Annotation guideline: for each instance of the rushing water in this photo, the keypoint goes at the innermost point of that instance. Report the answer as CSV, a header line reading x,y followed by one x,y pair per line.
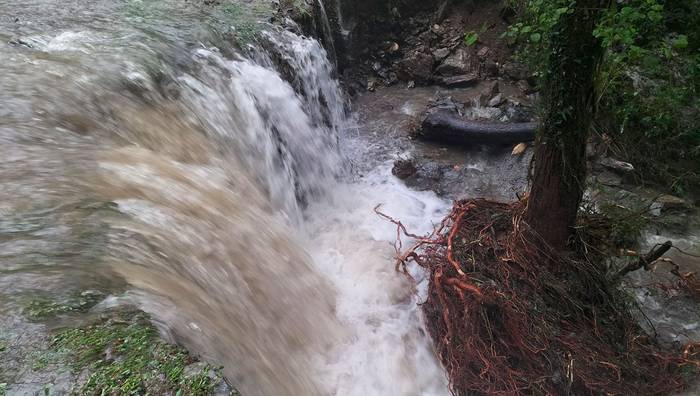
x,y
141,154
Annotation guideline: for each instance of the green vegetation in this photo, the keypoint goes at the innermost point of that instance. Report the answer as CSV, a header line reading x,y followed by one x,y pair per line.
x,y
649,81
124,355
245,20
42,307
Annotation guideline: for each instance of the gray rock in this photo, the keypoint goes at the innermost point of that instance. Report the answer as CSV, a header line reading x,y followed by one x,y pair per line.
x,y
492,88
483,52
461,81
441,53
515,71
415,66
455,64
491,69
403,169
670,202
616,166
496,100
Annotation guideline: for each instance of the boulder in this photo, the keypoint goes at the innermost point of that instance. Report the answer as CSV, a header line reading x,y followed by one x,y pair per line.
x,y
669,202
441,53
496,101
515,71
456,64
403,169
415,66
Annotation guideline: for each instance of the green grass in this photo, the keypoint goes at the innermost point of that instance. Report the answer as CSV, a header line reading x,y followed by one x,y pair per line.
x,y
42,307
124,355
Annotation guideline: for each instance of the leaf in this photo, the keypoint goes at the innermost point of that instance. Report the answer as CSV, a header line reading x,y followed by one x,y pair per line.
x,y
519,149
470,38
680,42
535,37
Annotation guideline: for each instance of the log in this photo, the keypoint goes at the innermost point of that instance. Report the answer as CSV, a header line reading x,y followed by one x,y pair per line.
x,y
446,126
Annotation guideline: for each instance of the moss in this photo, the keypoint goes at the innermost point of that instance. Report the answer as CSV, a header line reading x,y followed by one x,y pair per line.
x,y
124,355
245,20
43,307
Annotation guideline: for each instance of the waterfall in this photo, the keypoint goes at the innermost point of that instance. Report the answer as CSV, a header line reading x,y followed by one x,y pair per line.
x,y
233,218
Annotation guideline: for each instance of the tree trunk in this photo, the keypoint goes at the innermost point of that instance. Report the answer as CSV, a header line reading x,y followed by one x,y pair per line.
x,y
559,162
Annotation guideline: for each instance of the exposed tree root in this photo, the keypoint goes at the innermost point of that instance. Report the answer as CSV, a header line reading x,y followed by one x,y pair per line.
x,y
511,317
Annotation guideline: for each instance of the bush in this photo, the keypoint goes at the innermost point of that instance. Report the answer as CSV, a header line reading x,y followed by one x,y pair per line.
x,y
648,82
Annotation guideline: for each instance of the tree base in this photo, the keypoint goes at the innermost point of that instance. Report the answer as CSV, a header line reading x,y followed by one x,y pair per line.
x,y
509,316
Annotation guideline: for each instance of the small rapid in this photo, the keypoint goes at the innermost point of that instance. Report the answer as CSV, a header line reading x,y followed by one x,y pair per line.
x,y
217,187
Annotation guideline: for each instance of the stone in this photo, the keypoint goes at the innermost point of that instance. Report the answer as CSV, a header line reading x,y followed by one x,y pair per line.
x,y
515,71
462,81
483,52
431,170
455,64
441,53
491,69
403,169
492,88
609,179
415,66
670,202
616,166
496,100
525,87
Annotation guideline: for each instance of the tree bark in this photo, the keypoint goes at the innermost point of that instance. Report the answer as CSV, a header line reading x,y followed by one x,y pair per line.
x,y
559,163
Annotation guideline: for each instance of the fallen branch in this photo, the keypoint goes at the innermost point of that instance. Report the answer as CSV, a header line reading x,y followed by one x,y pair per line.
x,y
646,260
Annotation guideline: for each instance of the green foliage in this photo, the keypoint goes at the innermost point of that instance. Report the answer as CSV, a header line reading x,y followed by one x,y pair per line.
x,y
125,356
648,84
42,307
470,38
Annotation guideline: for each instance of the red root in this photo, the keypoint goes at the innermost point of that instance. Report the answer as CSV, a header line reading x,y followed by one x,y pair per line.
x,y
511,317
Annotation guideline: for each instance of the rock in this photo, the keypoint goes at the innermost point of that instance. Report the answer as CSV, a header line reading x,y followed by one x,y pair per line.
x,y
431,170
455,64
442,11
492,89
670,202
403,169
514,71
491,69
392,48
514,111
616,166
496,100
441,53
525,87
609,179
372,85
416,66
446,103
483,52
462,81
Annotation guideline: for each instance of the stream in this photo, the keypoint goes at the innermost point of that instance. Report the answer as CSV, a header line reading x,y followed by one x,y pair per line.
x,y
227,190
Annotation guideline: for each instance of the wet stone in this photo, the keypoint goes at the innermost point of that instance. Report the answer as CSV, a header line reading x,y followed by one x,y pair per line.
x,y
403,169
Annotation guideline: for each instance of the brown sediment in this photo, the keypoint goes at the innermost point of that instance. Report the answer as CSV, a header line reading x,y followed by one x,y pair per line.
x,y
509,316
